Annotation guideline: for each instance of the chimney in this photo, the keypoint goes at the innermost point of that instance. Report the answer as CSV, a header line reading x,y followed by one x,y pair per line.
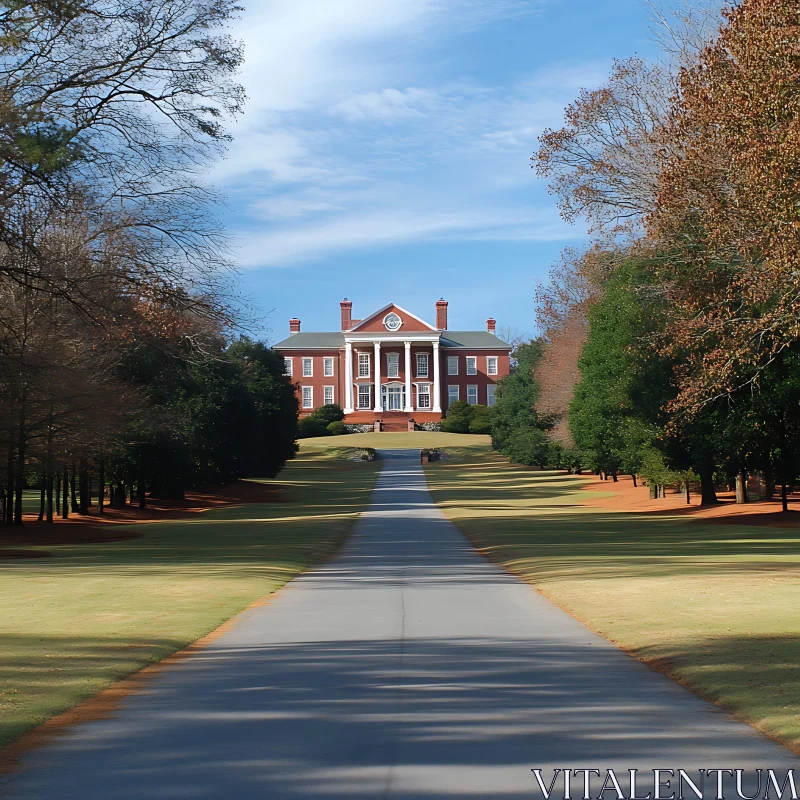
x,y
491,325
347,311
294,326
441,314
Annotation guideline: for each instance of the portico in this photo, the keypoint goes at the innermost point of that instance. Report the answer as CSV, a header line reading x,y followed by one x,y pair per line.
x,y
413,389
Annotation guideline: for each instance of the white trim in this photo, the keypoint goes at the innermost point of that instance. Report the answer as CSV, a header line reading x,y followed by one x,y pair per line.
x,y
369,365
475,387
418,337
452,360
310,361
399,319
325,392
450,400
386,308
427,394
377,368
290,372
325,361
348,379
310,390
474,359
493,395
409,408
437,378
496,365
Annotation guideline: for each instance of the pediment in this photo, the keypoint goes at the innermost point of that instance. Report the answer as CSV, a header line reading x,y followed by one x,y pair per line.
x,y
377,322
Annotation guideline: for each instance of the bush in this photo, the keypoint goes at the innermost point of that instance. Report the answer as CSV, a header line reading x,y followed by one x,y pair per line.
x,y
336,428
310,426
329,413
459,417
481,421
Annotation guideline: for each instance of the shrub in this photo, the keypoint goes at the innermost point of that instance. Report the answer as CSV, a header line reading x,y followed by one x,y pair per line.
x,y
329,413
310,426
481,421
458,419
336,428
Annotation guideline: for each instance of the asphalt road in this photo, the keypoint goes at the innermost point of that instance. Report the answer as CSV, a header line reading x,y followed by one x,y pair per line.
x,y
408,667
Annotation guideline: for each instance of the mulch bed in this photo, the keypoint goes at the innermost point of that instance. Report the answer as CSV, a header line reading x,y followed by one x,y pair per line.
x,y
94,528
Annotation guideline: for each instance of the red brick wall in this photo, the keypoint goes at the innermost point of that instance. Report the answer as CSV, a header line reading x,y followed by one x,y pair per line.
x,y
481,380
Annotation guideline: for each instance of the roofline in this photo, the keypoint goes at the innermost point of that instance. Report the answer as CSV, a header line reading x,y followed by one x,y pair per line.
x,y
381,310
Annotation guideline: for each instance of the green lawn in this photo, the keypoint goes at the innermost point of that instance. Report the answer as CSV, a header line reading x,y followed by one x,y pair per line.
x,y
715,606
72,624
414,440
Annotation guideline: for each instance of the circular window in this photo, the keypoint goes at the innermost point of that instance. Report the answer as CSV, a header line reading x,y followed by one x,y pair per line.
x,y
392,322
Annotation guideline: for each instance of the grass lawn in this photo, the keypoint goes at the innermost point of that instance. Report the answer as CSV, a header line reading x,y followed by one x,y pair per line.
x,y
72,624
716,606
413,440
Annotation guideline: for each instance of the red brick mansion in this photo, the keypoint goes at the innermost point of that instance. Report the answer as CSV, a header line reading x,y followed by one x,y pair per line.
x,y
393,366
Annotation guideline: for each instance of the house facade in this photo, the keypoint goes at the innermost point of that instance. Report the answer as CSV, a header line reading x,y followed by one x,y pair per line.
x,y
392,366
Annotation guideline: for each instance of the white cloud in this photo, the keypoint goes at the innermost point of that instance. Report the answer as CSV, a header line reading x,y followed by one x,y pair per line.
x,y
387,105
358,136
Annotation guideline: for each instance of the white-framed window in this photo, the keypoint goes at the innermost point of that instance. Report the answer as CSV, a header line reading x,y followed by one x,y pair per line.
x,y
472,395
327,367
393,365
287,367
452,365
308,367
452,394
472,365
308,397
363,365
424,396
422,365
364,396
327,395
490,398
491,365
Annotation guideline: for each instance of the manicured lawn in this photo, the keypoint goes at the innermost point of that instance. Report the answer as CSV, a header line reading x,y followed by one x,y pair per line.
x,y
414,440
715,605
72,624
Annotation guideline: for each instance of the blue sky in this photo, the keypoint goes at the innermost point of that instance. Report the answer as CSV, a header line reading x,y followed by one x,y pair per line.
x,y
384,151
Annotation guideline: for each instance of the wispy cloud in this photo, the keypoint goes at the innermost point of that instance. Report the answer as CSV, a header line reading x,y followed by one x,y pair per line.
x,y
359,134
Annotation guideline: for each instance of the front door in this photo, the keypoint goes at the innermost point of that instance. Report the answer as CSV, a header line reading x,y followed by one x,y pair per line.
x,y
393,398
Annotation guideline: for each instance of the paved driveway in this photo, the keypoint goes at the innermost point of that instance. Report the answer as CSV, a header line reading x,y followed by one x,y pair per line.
x,y
407,667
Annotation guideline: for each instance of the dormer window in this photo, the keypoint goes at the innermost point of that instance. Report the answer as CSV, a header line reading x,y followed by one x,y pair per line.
x,y
392,322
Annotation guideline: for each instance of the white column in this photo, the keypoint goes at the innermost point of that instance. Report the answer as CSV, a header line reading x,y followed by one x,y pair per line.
x,y
377,373
408,407
348,378
437,399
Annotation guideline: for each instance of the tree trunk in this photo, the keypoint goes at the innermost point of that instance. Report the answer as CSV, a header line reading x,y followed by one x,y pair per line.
x,y
769,486
614,476
20,483
10,489
101,488
65,493
50,495
142,487
784,497
57,489
633,475
708,494
687,492
741,486
653,491
73,494
83,486
42,494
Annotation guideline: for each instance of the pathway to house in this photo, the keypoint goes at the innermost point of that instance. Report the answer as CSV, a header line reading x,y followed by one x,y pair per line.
x,y
408,667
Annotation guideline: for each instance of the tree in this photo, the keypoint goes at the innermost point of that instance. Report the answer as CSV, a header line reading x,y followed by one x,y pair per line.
x,y
727,213
517,430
